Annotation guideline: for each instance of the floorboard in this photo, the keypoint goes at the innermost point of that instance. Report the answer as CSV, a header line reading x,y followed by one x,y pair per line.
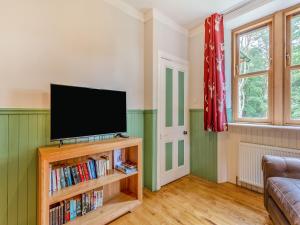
x,y
193,201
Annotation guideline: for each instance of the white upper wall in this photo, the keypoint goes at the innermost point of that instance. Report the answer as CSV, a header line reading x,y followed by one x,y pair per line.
x,y
161,35
73,42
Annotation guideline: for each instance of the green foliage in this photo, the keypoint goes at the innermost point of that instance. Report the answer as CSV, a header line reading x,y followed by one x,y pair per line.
x,y
295,94
254,57
253,91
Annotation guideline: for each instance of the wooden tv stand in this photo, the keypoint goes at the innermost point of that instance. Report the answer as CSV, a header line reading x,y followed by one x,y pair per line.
x,y
122,193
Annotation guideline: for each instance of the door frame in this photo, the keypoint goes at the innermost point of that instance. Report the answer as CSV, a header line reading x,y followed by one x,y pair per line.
x,y
162,56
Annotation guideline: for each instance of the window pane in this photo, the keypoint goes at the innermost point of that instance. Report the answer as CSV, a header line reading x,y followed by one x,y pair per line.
x,y
295,94
254,49
253,97
295,40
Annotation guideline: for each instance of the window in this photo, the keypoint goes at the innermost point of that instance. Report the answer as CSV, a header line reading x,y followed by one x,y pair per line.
x,y
292,92
266,69
253,73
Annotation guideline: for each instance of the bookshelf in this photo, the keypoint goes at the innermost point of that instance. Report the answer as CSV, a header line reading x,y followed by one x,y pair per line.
x,y
122,192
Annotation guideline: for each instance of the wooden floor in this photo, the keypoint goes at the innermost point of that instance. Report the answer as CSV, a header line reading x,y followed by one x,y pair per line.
x,y
191,200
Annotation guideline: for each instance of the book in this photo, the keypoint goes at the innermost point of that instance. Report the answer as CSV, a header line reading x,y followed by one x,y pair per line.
x,y
67,211
86,171
62,218
125,169
62,177
53,181
68,179
77,174
89,170
51,217
84,209
92,167
57,173
117,157
74,175
50,177
80,173
73,210
78,206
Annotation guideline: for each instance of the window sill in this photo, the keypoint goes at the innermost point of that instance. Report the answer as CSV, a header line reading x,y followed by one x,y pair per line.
x,y
266,126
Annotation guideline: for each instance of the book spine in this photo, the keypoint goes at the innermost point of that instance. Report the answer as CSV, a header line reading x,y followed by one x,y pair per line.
x,y
84,205
57,173
70,180
80,173
77,174
78,207
67,211
86,172
97,168
62,213
73,172
72,210
62,178
53,181
90,170
50,177
51,217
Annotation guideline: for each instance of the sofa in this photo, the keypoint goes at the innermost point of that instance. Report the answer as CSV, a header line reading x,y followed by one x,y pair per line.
x,y
282,189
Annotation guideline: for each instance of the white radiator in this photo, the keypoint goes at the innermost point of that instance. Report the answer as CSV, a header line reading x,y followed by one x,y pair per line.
x,y
250,156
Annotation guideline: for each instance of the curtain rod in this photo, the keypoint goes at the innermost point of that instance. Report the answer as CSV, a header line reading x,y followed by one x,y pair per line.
x,y
235,8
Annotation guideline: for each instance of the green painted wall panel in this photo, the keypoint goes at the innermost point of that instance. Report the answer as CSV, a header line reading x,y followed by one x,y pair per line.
x,y
181,98
13,161
203,155
23,176
150,149
169,97
169,156
3,168
180,153
32,168
21,133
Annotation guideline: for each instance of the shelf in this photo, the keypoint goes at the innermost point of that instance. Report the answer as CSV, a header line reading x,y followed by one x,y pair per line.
x,y
114,208
86,186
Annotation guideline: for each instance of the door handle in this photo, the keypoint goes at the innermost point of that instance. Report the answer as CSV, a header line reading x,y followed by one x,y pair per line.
x,y
185,132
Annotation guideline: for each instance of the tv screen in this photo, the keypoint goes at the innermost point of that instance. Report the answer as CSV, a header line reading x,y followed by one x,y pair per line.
x,y
80,112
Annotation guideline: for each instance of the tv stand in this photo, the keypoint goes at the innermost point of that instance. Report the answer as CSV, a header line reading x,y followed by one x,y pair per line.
x,y
122,192
120,135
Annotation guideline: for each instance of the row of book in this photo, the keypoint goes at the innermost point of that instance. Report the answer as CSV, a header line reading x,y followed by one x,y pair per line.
x,y
69,210
65,176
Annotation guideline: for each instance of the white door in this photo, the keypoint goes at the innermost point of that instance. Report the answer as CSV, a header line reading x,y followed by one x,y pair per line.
x,y
174,130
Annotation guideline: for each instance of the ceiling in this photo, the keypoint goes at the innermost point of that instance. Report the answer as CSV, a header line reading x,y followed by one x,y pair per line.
x,y
186,12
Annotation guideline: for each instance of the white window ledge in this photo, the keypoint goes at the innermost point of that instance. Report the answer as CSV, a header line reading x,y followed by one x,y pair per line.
x,y
268,126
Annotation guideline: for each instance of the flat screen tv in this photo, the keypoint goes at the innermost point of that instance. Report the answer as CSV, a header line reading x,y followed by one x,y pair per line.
x,y
81,112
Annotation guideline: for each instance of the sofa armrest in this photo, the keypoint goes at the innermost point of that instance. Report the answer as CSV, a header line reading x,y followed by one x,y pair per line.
x,y
274,166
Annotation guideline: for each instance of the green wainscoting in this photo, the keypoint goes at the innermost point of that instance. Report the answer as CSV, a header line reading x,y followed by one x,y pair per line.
x,y
203,148
150,149
22,131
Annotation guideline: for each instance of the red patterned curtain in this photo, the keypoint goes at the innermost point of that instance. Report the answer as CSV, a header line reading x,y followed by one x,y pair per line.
x,y
215,116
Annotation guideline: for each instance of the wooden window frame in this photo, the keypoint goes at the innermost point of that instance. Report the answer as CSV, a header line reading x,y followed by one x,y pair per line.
x,y
288,14
267,21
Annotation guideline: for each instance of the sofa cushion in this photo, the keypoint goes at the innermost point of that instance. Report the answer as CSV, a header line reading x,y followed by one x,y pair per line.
x,y
286,193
